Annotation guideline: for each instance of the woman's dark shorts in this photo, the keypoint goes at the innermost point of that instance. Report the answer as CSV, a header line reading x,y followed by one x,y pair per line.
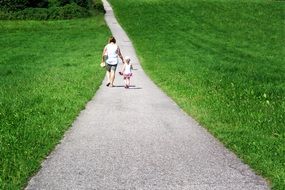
x,y
111,67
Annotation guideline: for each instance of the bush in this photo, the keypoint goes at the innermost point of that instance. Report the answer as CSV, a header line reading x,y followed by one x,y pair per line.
x,y
83,3
38,3
32,13
14,5
98,6
48,9
60,3
64,2
68,11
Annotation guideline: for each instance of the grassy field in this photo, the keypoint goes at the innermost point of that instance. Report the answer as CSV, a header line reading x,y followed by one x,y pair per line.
x,y
48,71
222,61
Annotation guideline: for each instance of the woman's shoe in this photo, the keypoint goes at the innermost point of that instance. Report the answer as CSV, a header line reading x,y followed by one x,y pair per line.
x,y
108,84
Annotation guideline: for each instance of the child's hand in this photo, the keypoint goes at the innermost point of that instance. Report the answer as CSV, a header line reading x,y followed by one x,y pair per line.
x,y
120,73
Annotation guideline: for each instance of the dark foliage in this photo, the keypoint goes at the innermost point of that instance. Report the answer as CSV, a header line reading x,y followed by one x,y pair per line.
x,y
48,9
13,4
22,4
98,5
83,3
68,11
64,2
38,3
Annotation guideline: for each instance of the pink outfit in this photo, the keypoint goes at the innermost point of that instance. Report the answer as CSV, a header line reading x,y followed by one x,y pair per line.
x,y
128,71
127,75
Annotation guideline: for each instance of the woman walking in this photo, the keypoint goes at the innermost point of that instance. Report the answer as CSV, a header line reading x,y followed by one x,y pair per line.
x,y
110,55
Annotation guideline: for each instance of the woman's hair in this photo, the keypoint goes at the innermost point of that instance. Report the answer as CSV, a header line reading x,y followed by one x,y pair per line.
x,y
112,39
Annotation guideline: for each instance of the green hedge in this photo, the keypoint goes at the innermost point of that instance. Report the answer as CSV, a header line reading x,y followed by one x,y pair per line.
x,y
13,5
68,11
56,9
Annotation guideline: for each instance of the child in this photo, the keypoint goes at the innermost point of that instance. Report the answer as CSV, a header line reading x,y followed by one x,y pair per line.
x,y
127,71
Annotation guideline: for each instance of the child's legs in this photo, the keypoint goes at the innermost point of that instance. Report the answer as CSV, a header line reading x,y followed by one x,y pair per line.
x,y
125,81
128,81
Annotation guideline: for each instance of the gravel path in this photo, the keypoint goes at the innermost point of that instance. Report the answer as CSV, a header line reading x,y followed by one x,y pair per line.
x,y
143,140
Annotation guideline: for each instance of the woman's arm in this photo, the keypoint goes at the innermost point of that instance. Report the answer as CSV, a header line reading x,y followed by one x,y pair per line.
x,y
103,53
120,55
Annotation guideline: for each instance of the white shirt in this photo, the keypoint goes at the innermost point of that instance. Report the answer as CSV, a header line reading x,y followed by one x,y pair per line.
x,y
112,53
127,69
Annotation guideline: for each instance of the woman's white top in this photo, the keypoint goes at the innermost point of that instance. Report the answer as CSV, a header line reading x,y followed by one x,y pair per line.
x,y
127,69
112,53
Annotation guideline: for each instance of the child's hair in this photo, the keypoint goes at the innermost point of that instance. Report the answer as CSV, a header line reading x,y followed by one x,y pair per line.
x,y
128,59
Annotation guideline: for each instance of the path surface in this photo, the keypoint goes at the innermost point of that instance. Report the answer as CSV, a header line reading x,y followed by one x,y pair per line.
x,y
142,141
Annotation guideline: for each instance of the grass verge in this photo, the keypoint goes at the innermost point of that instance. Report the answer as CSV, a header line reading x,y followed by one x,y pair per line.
x,y
48,71
223,63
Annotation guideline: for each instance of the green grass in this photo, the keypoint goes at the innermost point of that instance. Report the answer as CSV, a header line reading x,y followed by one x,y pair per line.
x,y
222,61
48,71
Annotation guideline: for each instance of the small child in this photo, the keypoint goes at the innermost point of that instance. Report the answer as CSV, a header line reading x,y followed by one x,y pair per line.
x,y
127,71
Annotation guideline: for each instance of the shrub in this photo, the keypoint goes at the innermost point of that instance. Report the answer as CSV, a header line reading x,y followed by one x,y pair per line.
x,y
83,3
13,5
53,3
68,11
48,9
38,3
32,13
4,15
60,3
98,6
64,2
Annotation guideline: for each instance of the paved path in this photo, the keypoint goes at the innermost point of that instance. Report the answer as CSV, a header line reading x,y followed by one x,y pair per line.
x,y
142,141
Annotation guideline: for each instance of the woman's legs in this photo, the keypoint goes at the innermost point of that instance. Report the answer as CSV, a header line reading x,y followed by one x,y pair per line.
x,y
111,70
108,74
112,77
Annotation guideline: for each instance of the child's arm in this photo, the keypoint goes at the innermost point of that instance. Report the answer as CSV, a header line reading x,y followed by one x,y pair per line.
x,y
120,55
123,69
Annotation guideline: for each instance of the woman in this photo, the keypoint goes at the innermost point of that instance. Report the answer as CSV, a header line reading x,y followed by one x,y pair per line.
x,y
111,53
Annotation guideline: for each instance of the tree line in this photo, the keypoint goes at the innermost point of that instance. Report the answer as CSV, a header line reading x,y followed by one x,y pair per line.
x,y
48,9
22,4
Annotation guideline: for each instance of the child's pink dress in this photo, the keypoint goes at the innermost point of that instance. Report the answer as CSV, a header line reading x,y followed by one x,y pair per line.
x,y
127,72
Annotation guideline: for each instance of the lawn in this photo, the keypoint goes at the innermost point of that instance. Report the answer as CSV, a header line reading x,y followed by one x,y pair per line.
x,y
48,71
222,61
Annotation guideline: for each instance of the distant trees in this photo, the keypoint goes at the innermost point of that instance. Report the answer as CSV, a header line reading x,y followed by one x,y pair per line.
x,y
48,9
38,3
22,4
